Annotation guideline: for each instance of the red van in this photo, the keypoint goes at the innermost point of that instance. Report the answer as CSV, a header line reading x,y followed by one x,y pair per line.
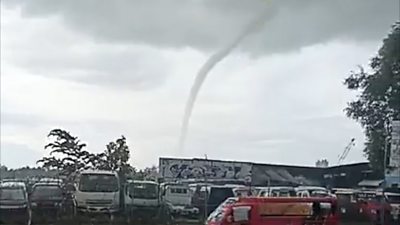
x,y
276,211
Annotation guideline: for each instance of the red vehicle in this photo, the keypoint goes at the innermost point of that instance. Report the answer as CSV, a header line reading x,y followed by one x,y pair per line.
x,y
276,211
371,204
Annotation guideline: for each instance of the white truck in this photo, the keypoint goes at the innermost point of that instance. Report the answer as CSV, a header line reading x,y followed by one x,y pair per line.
x,y
97,194
179,199
143,203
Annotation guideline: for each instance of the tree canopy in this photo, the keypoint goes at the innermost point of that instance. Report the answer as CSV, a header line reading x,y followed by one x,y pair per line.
x,y
115,157
379,100
69,155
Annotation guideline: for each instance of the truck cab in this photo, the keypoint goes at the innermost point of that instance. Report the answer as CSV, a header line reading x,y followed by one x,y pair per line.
x,y
97,194
143,202
179,198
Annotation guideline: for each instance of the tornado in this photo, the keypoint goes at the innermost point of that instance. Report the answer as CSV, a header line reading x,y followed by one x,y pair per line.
x,y
207,67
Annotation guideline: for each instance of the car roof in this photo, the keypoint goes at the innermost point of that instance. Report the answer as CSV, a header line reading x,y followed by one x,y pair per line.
x,y
310,188
12,185
47,184
141,182
105,172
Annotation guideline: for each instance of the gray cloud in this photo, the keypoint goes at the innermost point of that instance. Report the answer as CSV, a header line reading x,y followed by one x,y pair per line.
x,y
18,155
18,119
208,24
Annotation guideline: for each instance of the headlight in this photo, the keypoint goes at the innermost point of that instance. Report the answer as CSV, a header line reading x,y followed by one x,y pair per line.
x,y
34,204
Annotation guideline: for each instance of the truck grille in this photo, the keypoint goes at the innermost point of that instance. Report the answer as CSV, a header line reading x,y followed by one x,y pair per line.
x,y
99,202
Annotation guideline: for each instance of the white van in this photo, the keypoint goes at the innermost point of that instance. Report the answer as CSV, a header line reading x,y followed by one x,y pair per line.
x,y
97,192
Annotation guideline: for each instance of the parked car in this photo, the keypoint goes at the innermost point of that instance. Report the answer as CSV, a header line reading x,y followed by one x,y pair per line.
x,y
14,204
46,202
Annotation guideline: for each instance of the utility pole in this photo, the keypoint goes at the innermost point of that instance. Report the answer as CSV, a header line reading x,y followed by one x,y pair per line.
x,y
206,191
383,200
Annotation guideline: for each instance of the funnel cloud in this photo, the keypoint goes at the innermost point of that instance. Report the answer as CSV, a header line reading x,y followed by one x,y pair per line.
x,y
207,67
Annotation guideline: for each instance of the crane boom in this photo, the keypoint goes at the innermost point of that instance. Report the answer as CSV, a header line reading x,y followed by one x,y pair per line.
x,y
346,151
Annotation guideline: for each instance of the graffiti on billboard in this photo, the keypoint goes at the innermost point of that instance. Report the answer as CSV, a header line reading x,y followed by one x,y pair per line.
x,y
199,169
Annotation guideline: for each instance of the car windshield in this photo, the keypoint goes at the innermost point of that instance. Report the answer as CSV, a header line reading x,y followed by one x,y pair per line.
x,y
12,194
178,191
46,192
143,191
98,183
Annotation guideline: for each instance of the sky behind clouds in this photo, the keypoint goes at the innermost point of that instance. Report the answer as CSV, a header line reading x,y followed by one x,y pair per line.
x,y
102,69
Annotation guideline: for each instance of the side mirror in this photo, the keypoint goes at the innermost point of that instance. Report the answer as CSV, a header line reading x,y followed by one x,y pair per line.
x,y
241,213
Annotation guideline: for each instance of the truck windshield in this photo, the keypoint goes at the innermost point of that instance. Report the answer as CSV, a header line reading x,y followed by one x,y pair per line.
x,y
394,199
98,183
46,192
143,191
12,194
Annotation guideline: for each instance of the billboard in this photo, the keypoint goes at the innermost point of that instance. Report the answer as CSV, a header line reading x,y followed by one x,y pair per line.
x,y
176,169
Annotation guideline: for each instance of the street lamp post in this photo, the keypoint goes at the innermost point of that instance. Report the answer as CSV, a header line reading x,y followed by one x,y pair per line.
x,y
206,191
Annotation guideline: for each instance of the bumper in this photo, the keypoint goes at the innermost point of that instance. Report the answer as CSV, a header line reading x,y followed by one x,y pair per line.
x,y
97,209
185,211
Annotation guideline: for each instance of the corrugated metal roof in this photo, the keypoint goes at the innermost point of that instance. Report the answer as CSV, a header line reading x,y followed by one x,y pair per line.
x,y
370,183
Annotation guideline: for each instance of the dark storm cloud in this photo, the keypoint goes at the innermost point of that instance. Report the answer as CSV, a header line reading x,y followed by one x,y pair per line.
x,y
100,65
207,24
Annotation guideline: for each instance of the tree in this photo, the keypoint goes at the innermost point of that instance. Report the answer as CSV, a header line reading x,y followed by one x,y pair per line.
x,y
379,100
322,163
67,153
115,157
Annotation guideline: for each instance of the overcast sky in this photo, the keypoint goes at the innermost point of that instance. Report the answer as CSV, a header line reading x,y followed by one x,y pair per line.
x,y
101,69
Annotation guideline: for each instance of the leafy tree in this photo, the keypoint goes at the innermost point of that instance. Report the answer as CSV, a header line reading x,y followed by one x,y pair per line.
x,y
67,153
379,100
115,157
322,163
